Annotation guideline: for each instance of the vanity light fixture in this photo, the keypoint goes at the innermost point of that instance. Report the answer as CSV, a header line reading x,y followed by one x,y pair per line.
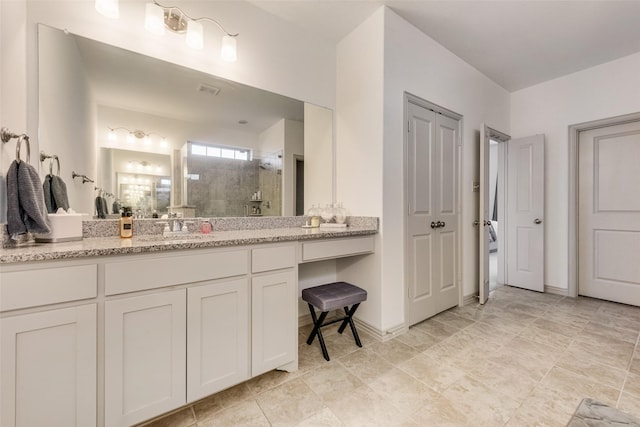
x,y
159,17
108,8
139,134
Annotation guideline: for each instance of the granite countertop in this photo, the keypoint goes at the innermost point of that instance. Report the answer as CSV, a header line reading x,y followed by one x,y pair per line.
x,y
104,246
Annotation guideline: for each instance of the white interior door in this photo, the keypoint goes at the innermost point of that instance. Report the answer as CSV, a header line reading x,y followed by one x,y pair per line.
x,y
525,209
609,213
483,216
432,223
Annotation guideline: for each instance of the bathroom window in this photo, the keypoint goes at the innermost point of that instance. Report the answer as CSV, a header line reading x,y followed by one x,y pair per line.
x,y
220,151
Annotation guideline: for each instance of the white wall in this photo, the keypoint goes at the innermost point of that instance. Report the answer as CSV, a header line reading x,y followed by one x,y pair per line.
x,y
318,155
370,132
359,162
607,90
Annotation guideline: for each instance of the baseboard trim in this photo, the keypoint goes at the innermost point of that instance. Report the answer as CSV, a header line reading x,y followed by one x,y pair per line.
x,y
470,299
377,333
383,336
557,291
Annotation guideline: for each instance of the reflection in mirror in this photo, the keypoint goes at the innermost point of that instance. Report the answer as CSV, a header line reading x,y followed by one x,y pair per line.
x,y
98,102
140,182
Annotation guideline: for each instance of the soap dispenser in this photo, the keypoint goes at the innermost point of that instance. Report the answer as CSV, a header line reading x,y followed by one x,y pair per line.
x,y
126,225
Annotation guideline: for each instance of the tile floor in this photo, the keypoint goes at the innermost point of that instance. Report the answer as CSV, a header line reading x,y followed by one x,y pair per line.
x,y
523,359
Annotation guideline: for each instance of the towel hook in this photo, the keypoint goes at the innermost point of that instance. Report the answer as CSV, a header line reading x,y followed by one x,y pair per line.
x,y
85,179
6,135
44,156
54,157
24,138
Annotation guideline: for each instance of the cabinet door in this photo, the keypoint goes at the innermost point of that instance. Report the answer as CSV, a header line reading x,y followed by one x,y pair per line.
x,y
274,321
48,368
217,337
145,356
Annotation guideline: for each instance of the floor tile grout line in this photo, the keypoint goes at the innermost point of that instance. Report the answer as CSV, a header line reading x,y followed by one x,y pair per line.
x,y
626,377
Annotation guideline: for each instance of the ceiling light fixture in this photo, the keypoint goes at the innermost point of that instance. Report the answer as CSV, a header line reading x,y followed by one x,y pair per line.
x,y
159,17
108,8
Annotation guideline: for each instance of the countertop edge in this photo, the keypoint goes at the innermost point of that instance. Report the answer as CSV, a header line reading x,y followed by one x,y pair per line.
x,y
112,246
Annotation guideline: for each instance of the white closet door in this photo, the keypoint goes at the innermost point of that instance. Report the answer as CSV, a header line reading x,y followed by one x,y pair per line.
x,y
609,213
432,222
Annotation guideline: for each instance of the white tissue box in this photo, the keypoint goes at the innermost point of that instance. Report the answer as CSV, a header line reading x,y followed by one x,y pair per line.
x,y
64,228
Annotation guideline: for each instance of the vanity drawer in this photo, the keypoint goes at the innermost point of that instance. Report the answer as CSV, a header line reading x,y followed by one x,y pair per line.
x,y
157,272
273,258
32,288
336,248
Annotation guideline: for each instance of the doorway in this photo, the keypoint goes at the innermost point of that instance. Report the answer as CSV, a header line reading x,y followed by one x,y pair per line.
x,y
299,185
511,221
491,210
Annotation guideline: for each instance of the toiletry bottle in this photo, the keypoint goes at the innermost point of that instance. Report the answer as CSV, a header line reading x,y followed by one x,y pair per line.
x,y
205,227
314,213
126,225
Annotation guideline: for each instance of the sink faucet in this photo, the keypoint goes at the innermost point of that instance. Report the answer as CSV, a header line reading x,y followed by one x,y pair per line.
x,y
177,222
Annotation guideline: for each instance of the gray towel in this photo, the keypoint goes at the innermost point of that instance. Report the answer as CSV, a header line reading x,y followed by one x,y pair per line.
x,y
26,210
55,193
105,206
49,202
101,207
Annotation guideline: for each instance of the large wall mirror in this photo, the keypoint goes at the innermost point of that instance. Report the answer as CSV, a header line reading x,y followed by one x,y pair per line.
x,y
156,137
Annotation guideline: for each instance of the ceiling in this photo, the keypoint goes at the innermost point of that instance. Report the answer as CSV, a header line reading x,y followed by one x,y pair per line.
x,y
517,44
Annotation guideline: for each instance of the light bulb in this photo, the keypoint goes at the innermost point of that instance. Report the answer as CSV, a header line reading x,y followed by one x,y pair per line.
x,y
228,50
163,142
154,19
108,8
147,140
194,35
130,139
112,135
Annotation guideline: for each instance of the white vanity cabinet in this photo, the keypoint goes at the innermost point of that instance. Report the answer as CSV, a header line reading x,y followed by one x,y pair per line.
x,y
48,356
173,325
274,316
119,340
145,356
217,336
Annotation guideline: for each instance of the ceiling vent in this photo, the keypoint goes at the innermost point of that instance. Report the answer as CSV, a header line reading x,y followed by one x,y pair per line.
x,y
208,90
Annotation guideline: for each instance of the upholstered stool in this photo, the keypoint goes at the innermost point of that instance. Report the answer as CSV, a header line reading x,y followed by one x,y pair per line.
x,y
331,297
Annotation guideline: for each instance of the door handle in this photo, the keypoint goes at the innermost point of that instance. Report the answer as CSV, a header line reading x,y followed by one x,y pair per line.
x,y
440,224
537,221
433,224
476,223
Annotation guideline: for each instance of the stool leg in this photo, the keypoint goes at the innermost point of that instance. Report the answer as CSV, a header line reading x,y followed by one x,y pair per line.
x,y
349,319
317,324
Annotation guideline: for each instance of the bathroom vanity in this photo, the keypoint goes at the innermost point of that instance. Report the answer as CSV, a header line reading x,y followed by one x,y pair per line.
x,y
113,332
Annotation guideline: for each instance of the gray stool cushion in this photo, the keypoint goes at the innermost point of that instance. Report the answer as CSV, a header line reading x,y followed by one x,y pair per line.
x,y
334,295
